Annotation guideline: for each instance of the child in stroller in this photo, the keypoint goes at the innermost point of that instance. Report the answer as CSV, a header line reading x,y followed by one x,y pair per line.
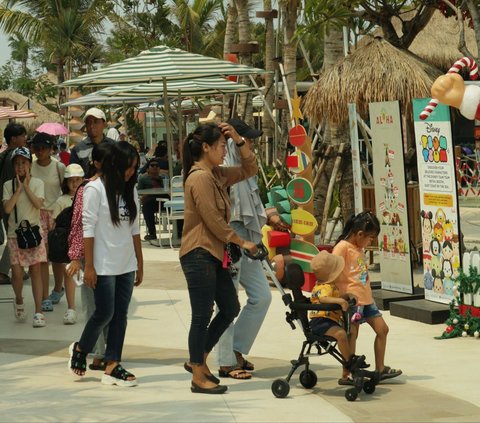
x,y
324,344
327,268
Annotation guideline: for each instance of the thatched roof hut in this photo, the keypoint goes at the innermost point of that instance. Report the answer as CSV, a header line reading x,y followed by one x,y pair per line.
x,y
43,114
375,72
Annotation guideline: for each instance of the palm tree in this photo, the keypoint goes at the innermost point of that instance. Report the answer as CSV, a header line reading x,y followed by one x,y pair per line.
x,y
65,29
20,51
196,19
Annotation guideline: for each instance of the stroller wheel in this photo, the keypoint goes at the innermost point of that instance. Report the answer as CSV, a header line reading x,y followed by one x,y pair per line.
x,y
369,387
308,379
280,388
351,394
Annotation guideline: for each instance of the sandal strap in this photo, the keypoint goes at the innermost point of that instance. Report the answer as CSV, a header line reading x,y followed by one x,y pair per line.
x,y
79,359
120,373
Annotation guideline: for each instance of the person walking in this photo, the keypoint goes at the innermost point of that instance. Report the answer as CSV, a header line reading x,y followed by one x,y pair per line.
x,y
76,252
22,200
248,216
15,136
51,172
203,254
113,260
95,123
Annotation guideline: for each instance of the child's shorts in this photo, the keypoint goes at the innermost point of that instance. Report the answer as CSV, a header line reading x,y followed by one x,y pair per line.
x,y
369,312
320,325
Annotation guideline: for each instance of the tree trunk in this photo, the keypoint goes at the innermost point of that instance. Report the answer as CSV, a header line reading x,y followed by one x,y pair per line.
x,y
230,34
268,123
245,104
334,135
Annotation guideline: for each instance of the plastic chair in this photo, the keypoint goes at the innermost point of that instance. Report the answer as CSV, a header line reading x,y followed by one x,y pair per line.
x,y
174,208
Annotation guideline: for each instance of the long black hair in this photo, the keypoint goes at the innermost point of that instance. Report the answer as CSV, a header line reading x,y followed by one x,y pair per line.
x,y
99,152
192,145
365,221
114,167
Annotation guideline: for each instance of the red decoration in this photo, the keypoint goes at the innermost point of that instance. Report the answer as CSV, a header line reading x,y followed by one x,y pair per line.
x,y
278,239
475,311
448,329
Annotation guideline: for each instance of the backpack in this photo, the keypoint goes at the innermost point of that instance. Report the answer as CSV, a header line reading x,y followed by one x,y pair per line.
x,y
58,236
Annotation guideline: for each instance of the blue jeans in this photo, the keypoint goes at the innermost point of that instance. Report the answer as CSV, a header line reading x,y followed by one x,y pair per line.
x,y
208,283
112,297
241,335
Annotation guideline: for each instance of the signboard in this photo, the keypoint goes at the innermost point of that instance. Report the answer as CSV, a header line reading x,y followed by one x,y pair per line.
x,y
438,201
391,196
357,169
300,191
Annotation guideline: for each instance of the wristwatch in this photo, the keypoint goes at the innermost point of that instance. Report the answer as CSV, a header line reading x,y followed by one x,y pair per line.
x,y
239,144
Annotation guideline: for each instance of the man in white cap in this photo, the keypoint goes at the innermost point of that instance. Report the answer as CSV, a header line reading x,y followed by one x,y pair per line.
x,y
95,123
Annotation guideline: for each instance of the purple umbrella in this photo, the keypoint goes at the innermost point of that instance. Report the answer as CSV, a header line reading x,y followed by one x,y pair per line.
x,y
53,128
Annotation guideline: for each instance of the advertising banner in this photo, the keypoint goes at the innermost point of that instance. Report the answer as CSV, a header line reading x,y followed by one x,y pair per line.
x,y
391,196
438,201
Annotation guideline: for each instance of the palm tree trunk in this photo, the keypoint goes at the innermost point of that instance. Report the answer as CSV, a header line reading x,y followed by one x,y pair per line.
x,y
268,123
230,31
245,105
335,135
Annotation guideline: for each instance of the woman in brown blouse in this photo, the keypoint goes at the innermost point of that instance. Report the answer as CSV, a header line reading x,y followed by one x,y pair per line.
x,y
205,234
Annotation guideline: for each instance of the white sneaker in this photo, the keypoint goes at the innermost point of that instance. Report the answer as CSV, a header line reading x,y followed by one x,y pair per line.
x,y
39,320
70,317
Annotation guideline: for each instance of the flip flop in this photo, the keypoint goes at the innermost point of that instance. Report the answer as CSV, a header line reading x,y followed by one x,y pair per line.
x,y
389,373
211,378
235,373
244,364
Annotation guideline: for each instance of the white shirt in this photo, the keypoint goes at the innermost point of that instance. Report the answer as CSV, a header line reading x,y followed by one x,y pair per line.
x,y
25,208
62,203
113,134
52,177
113,251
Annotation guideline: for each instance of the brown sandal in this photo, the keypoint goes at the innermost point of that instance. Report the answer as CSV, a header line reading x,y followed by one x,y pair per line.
x,y
235,373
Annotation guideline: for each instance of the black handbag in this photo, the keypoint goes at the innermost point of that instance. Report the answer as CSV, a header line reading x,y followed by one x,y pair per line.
x,y
28,236
234,252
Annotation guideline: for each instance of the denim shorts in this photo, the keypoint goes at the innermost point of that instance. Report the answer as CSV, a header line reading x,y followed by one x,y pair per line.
x,y
369,312
320,325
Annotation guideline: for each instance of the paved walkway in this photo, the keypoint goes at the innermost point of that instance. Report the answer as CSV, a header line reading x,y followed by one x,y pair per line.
x,y
440,381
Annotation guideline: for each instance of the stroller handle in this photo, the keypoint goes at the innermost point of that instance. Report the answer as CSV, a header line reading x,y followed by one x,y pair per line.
x,y
261,254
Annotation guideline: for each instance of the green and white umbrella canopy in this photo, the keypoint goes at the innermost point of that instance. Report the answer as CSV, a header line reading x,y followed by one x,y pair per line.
x,y
97,99
160,63
185,88
144,93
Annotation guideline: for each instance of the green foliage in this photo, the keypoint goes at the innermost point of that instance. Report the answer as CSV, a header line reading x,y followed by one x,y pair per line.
x,y
269,171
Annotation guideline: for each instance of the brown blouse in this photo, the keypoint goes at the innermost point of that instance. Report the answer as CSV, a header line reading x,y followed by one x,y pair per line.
x,y
207,206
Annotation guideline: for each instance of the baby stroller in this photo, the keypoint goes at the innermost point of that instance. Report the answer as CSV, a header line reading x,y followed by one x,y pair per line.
x,y
299,306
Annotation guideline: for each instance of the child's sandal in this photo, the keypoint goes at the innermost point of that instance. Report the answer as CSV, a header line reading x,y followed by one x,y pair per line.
x,y
77,361
120,377
19,311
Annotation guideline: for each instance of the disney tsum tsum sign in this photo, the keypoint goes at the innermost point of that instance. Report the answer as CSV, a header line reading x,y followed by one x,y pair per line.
x,y
438,200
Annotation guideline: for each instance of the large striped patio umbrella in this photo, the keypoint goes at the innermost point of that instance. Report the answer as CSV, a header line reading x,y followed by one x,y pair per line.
x,y
158,64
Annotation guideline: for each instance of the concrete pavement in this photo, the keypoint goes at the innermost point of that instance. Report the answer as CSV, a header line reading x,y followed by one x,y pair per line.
x,y
439,384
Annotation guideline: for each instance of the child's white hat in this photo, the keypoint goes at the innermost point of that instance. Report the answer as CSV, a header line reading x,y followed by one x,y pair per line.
x,y
326,266
74,170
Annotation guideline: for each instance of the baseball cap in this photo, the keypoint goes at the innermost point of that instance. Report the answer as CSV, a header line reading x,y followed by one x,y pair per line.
x,y
43,139
243,129
22,151
74,170
96,113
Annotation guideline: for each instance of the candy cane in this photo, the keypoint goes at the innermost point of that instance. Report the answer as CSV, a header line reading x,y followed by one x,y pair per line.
x,y
457,66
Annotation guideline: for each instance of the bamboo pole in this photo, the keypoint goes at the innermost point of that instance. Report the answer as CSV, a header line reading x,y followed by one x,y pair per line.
x,y
331,185
336,218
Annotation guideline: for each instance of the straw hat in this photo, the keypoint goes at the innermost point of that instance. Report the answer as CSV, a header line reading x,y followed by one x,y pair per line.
x,y
326,266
